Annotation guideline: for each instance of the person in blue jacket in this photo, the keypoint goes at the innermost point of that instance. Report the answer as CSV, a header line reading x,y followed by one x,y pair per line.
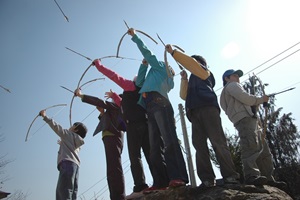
x,y
169,168
203,111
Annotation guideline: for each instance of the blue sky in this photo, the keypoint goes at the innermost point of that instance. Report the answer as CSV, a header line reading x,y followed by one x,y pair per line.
x,y
34,63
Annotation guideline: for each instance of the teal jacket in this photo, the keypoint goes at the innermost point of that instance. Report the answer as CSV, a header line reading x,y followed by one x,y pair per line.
x,y
157,79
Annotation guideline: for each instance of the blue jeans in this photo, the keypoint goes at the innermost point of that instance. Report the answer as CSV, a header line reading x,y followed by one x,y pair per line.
x,y
165,152
67,185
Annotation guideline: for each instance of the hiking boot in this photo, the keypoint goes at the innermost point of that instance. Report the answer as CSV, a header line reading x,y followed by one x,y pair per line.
x,y
257,180
176,183
153,189
230,180
279,184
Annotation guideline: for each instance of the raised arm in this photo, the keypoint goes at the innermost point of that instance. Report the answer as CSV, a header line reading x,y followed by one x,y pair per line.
x,y
90,99
125,84
114,96
236,90
140,79
148,55
188,62
53,125
183,85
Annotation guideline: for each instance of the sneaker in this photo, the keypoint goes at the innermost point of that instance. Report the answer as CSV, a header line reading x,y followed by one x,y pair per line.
x,y
134,195
153,189
230,180
257,180
176,183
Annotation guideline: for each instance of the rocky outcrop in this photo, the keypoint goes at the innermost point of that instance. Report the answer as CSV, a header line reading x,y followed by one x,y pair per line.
x,y
225,192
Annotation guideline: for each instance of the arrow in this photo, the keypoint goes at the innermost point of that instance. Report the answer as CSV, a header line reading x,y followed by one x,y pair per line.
x,y
5,88
62,11
160,39
273,94
79,54
126,24
67,89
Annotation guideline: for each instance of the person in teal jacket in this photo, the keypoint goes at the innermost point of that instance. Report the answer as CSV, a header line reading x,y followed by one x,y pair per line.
x,y
169,168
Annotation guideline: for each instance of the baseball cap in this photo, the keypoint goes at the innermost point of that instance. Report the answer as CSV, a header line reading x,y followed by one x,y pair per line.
x,y
230,72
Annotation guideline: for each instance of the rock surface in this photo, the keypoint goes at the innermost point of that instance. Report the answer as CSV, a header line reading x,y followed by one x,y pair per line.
x,y
225,192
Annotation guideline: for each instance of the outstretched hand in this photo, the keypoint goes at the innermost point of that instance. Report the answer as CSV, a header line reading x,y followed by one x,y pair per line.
x,y
96,61
144,62
131,31
169,48
78,92
42,113
108,94
183,75
266,98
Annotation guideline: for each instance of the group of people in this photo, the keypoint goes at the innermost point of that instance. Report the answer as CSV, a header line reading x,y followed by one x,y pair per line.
x,y
145,112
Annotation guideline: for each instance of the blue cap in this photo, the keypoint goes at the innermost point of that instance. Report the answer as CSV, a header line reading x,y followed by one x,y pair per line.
x,y
230,72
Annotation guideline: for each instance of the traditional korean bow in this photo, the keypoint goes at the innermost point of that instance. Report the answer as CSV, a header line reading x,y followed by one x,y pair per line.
x,y
118,49
27,134
165,55
265,106
79,86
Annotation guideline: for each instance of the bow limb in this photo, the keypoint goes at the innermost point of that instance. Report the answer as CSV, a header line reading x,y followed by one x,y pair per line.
x,y
79,86
265,106
27,134
166,60
178,48
71,104
119,45
118,49
147,36
96,79
167,64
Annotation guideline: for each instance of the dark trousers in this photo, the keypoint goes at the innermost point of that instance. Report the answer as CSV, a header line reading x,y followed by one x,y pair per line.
x,y
206,124
170,164
137,140
115,178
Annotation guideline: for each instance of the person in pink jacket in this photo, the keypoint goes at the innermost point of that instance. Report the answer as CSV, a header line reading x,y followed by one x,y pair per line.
x,y
136,126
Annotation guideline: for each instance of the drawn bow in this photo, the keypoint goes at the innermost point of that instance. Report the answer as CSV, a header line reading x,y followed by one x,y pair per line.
x,y
165,55
265,106
79,86
118,49
27,134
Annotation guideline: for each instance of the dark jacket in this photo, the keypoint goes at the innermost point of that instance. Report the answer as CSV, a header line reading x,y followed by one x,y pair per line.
x,y
200,93
111,120
132,111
